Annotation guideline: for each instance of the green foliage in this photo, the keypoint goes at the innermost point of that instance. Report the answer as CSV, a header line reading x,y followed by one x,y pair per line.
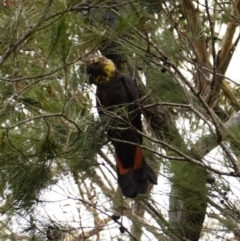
x,y
48,129
81,156
165,85
26,167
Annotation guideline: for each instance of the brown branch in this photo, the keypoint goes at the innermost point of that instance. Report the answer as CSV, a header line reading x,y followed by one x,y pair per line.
x,y
224,56
213,39
230,31
221,69
200,46
195,26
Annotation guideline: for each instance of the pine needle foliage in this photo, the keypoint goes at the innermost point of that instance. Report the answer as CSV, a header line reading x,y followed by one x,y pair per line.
x,y
54,147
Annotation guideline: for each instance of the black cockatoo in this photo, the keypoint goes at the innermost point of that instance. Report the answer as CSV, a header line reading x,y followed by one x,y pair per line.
x,y
115,89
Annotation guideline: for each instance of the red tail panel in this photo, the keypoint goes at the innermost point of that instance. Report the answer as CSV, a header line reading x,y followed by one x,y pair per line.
x,y
121,170
139,158
134,179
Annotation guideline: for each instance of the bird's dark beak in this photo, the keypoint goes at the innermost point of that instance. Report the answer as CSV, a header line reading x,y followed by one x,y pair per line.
x,y
85,66
91,79
85,69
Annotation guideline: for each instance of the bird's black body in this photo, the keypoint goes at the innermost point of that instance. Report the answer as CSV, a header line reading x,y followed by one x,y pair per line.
x,y
117,93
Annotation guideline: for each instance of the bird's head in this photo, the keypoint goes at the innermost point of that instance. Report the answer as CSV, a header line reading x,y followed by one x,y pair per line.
x,y
100,69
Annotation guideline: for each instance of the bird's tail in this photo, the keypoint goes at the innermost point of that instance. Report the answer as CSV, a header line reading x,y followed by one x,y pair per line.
x,y
134,179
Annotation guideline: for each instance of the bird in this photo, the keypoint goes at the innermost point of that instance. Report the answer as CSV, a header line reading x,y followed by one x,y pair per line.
x,y
114,90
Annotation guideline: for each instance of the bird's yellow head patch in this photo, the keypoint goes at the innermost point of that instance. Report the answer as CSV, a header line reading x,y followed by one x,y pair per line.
x,y
100,68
